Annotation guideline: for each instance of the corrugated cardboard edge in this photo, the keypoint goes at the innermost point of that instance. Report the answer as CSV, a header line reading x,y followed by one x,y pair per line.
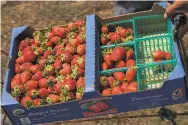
x,y
156,9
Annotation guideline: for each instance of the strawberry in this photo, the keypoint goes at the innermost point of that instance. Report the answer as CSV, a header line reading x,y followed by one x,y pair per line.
x,y
130,74
49,44
70,85
120,76
122,32
48,70
110,81
58,47
117,90
72,96
51,89
81,49
42,62
79,96
65,41
81,38
81,62
49,35
34,68
107,59
25,66
103,81
80,72
25,101
130,62
18,90
37,102
158,54
27,49
80,82
115,38
72,25
43,92
57,64
66,57
133,87
62,32
124,86
55,40
31,84
106,92
23,45
103,105
25,76
80,23
13,83
52,98
75,42
17,77
117,54
33,93
167,55
70,48
94,108
120,64
129,54
104,29
104,40
44,83
17,68
57,87
104,66
20,60
46,54
65,70
29,56
37,76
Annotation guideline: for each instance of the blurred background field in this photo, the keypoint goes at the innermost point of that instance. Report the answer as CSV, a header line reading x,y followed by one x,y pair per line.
x,y
42,14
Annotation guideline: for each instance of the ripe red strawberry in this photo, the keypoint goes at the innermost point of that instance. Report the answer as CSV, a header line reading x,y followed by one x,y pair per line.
x,y
13,83
58,47
124,86
66,57
57,87
70,48
81,49
129,54
80,82
122,32
80,72
104,66
70,85
31,84
72,25
55,40
167,55
25,76
118,53
74,61
94,108
43,83
49,44
46,54
18,90
17,77
33,93
133,87
37,102
106,92
57,64
130,75
49,70
130,62
25,101
27,49
25,66
120,76
120,64
17,68
75,42
115,38
65,41
37,76
158,54
34,68
103,81
65,70
62,32
103,105
79,96
49,35
29,56
52,98
23,45
80,38
104,29
107,59
42,62
43,92
104,40
20,60
81,62
110,81
80,23
72,96
117,90
51,89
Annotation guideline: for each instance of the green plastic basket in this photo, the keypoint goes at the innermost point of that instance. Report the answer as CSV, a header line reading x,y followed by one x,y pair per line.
x,y
150,33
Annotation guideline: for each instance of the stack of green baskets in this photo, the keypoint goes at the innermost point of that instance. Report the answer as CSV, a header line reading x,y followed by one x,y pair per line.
x,y
150,33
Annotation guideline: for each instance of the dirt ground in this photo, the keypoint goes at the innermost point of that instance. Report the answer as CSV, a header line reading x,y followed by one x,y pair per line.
x,y
42,14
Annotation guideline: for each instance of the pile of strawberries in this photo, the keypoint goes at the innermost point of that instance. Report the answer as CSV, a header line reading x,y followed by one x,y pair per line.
x,y
50,68
119,82
118,57
120,35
